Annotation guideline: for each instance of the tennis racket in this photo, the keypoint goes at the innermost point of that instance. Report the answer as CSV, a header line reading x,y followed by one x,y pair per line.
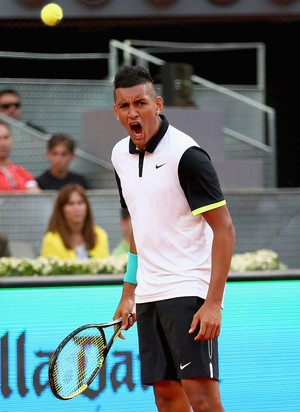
x,y
79,358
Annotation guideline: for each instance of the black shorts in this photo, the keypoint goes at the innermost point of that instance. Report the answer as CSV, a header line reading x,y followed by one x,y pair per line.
x,y
167,350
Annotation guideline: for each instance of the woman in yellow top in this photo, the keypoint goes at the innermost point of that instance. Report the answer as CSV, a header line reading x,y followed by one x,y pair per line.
x,y
71,232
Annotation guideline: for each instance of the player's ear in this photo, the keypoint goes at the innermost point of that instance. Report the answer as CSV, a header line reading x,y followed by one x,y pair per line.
x,y
159,104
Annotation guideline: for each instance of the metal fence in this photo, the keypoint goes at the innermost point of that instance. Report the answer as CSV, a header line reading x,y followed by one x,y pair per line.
x,y
58,105
268,218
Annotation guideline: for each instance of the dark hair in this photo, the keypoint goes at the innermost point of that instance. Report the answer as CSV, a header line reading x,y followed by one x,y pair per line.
x,y
9,91
129,76
57,222
60,138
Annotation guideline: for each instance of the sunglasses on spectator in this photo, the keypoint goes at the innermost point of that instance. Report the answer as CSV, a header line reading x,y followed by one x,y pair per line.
x,y
6,106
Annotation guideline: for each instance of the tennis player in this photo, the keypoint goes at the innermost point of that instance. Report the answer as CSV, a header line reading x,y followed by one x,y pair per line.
x,y
180,251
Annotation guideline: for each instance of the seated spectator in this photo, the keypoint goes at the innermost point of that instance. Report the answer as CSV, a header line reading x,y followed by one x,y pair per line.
x,y
4,246
60,153
10,105
72,233
126,228
13,177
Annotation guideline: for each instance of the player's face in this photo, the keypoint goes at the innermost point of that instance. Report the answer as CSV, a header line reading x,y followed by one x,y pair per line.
x,y
75,209
60,158
6,142
137,109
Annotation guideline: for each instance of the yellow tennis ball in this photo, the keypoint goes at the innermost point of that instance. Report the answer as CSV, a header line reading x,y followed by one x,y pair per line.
x,y
51,14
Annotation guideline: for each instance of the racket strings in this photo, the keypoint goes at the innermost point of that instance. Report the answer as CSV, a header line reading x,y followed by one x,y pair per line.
x,y
78,362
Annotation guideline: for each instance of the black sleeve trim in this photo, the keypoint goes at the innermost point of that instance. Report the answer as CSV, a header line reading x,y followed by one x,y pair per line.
x,y
122,200
198,178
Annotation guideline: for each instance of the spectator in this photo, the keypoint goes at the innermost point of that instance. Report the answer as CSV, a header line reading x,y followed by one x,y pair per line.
x,y
13,177
72,233
4,246
60,153
125,224
10,105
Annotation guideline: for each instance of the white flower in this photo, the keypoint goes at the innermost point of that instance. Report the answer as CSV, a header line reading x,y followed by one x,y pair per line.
x,y
41,266
10,266
260,260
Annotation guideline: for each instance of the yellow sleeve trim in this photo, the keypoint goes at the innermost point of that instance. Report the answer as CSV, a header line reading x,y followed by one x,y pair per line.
x,y
208,207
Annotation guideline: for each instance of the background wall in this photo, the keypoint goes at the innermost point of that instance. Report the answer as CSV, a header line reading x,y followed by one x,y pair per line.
x,y
275,23
154,8
89,29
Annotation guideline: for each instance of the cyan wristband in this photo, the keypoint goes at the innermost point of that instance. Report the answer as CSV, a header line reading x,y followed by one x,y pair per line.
x,y
132,265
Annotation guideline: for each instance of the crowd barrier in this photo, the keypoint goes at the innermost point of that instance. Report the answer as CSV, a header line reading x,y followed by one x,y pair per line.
x,y
259,344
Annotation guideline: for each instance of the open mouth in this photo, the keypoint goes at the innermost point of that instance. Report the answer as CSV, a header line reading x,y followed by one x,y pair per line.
x,y
136,128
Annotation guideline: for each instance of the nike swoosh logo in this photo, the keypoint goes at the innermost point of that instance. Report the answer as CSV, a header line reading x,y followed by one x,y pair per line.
x,y
158,166
184,366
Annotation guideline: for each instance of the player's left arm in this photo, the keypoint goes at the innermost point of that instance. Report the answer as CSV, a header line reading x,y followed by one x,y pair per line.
x,y
209,316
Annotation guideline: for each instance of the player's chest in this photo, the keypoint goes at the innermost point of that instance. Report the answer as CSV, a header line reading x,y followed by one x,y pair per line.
x,y
149,174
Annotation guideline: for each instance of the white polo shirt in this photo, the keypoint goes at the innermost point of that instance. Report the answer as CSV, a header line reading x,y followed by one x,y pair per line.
x,y
166,188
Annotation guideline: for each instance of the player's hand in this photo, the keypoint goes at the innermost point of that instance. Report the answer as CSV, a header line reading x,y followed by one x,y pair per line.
x,y
128,318
208,319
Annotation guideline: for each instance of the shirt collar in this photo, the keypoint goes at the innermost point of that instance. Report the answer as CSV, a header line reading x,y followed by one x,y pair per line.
x,y
153,144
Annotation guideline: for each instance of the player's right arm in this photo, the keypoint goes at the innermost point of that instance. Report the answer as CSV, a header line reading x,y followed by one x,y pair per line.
x,y
127,302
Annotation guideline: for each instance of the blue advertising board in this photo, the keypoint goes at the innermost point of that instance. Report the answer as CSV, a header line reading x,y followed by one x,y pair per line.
x,y
259,349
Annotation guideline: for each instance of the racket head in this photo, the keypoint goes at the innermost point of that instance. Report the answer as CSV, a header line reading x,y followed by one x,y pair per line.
x,y
78,359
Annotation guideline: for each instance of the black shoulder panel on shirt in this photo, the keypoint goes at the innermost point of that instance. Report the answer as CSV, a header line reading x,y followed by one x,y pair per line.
x,y
198,178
